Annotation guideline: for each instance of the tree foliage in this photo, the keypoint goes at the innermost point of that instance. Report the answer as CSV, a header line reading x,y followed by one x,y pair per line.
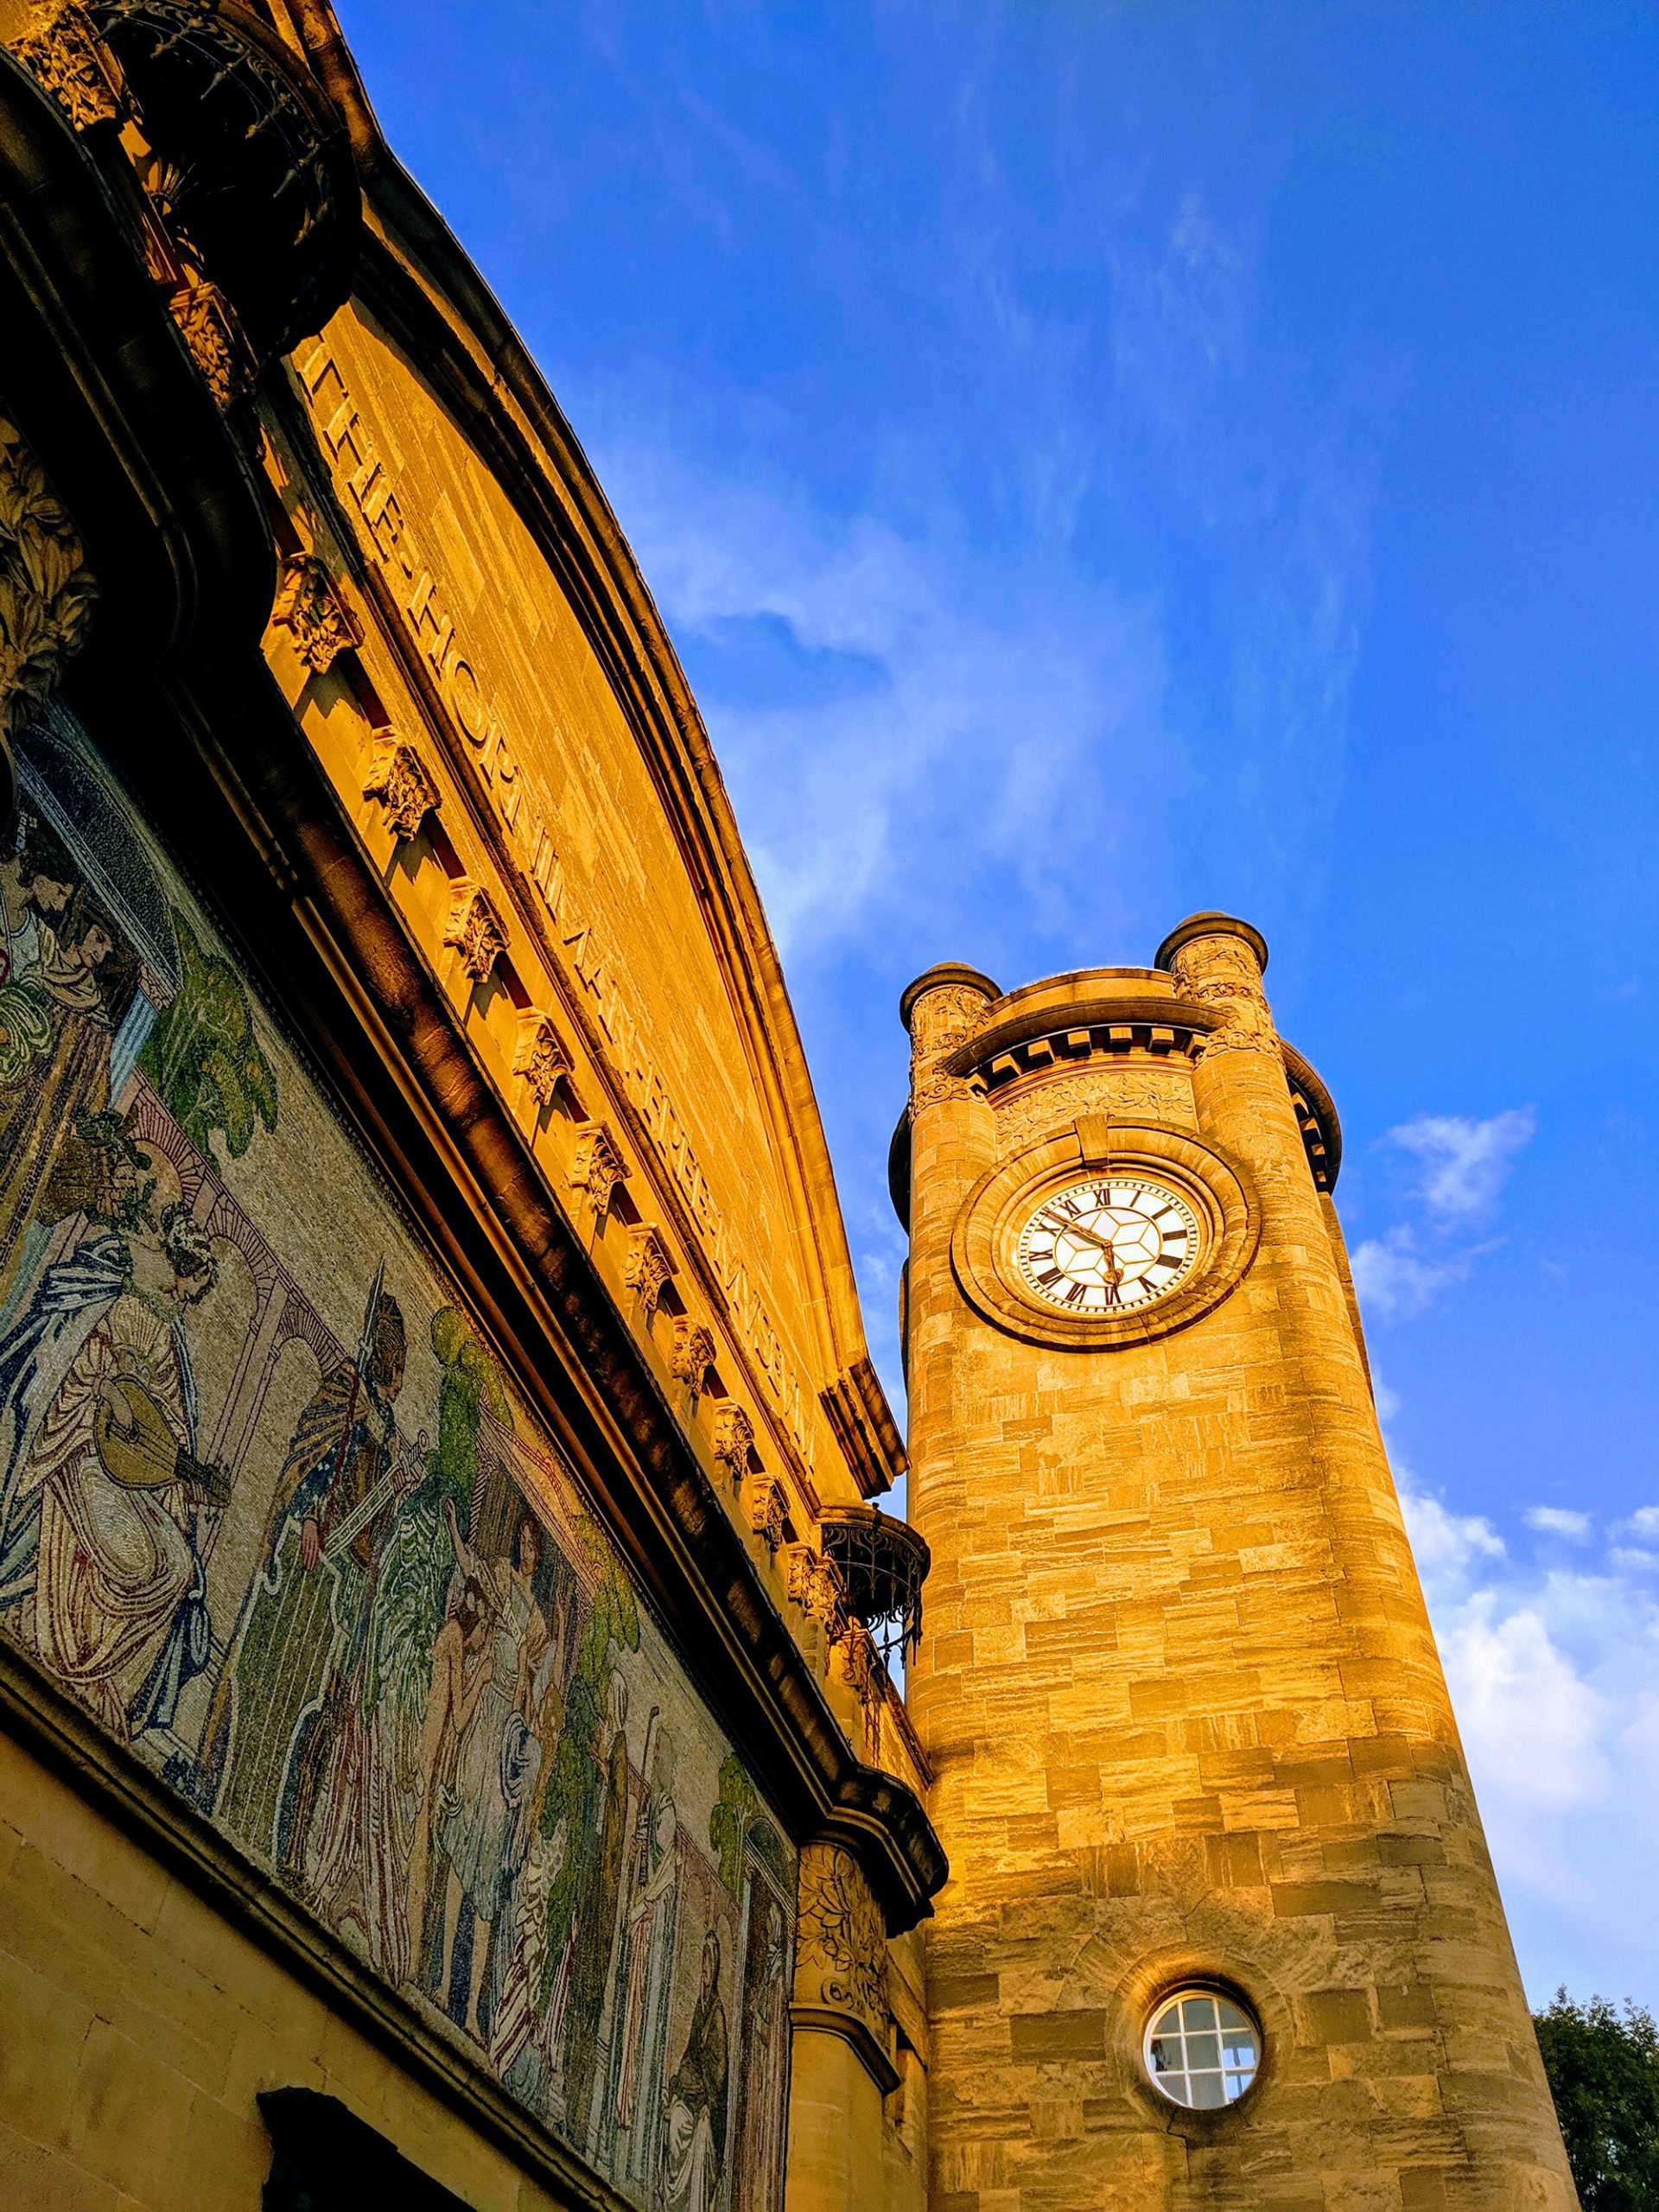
x,y
1604,2076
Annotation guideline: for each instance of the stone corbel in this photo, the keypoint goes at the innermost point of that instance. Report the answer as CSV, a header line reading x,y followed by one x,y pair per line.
x,y
691,1355
649,1267
768,1511
474,930
47,592
208,326
541,1057
400,779
841,1960
733,1440
598,1167
62,49
815,1583
310,610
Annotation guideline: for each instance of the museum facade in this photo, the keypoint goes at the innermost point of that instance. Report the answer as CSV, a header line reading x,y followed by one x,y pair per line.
x,y
449,1637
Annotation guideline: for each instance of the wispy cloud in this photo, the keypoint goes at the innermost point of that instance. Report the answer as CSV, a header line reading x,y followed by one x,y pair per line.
x,y
1462,1162
1010,737
1558,1521
1395,1280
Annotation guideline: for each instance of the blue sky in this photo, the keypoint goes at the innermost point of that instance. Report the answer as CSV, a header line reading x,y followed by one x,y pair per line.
x,y
1097,462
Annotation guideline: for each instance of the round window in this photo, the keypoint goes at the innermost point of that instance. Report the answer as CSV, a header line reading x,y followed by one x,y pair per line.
x,y
1202,2049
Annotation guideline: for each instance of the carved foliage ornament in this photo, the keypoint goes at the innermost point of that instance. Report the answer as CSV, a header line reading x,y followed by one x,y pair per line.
x,y
46,590
400,779
768,1511
210,329
475,929
692,1353
840,1942
598,1167
309,609
942,1020
1221,972
65,53
733,1438
542,1056
649,1267
815,1583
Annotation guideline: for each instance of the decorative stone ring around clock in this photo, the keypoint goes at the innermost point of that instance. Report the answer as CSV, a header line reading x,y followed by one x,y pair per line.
x,y
1104,1235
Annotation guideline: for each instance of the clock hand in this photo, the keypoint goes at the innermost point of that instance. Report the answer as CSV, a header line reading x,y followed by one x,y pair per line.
x,y
1077,1229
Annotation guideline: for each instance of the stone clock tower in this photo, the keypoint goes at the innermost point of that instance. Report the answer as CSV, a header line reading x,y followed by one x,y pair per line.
x,y
1221,1928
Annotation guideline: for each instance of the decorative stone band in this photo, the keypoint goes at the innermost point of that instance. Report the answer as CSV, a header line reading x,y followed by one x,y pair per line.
x,y
401,780
474,929
1171,1040
841,1960
47,592
649,1267
942,1009
309,609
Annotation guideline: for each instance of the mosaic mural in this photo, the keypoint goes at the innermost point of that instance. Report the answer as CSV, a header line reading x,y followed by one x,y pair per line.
x,y
270,1509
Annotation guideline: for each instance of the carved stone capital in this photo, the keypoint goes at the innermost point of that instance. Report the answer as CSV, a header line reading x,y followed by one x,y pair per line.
x,y
474,929
208,325
400,779
816,1584
733,1440
62,48
768,1511
598,1167
692,1353
310,610
841,1957
541,1056
47,590
649,1266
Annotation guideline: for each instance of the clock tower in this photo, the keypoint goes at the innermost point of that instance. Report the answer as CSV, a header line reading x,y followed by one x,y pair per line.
x,y
1221,1928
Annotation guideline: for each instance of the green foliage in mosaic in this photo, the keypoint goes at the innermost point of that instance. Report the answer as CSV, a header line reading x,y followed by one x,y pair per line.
x,y
202,1055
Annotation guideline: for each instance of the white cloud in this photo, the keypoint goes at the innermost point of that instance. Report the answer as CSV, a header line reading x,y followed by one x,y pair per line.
x,y
1644,1521
1554,1679
1394,1280
1464,1161
1557,1521
1013,736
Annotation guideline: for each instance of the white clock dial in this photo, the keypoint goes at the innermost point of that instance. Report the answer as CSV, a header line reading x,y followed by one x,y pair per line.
x,y
1107,1245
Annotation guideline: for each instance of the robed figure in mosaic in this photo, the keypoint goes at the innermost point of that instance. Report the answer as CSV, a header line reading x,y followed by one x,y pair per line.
x,y
693,2119
100,1508
305,1629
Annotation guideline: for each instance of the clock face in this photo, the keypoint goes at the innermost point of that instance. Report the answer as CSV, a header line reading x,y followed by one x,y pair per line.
x,y
1108,1245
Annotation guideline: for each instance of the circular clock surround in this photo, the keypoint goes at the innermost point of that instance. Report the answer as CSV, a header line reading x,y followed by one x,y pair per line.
x,y
1089,1252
